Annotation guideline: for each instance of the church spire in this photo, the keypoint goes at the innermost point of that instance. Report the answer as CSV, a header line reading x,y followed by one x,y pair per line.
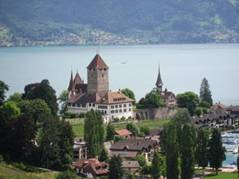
x,y
71,83
159,82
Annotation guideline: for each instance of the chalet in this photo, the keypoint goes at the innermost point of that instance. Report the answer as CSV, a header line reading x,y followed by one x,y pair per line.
x,y
124,133
91,168
96,95
130,148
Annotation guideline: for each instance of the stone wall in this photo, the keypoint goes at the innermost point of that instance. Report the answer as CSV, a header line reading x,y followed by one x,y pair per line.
x,y
155,113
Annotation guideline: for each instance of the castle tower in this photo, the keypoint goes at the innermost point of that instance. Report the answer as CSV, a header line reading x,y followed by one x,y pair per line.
x,y
159,82
97,74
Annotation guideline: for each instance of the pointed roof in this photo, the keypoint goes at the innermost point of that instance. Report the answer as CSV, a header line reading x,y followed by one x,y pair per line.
x,y
77,79
71,83
97,63
159,81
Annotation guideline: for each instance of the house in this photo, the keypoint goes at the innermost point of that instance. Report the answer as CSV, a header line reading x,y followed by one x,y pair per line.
x,y
130,148
168,96
91,168
96,94
124,133
234,110
130,166
79,150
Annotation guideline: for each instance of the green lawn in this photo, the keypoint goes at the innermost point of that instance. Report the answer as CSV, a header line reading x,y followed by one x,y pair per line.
x,y
223,176
11,172
78,125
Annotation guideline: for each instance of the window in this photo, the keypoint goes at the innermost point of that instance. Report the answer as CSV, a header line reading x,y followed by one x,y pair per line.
x,y
130,104
116,106
120,110
112,111
120,105
129,109
112,107
125,105
90,104
125,110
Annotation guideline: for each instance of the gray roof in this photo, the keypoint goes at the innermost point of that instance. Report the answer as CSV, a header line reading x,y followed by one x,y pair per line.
x,y
159,81
130,164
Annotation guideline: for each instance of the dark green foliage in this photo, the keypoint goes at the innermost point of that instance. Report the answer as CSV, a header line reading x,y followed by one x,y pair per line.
x,y
188,100
205,93
216,151
110,132
141,160
129,93
68,174
103,155
63,101
238,164
187,151
145,130
201,150
115,168
171,151
56,142
155,169
42,91
3,90
94,133
130,176
133,128
151,100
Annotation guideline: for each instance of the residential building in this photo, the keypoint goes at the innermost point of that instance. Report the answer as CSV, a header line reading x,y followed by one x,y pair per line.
x,y
124,133
130,166
79,150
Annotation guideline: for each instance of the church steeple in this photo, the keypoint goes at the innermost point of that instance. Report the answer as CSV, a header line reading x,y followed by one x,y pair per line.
x,y
71,83
159,82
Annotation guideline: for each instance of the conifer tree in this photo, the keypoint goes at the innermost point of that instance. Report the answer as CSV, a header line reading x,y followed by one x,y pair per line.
x,y
3,90
103,155
115,168
201,150
155,169
205,93
110,132
216,150
187,151
94,133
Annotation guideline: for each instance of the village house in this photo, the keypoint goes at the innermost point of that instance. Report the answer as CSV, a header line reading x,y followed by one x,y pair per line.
x,y
96,95
128,149
79,150
91,168
130,166
124,133
217,117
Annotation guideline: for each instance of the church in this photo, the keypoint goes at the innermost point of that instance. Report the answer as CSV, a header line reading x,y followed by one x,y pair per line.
x,y
95,94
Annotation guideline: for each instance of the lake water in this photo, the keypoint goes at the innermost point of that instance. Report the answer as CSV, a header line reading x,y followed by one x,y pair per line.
x,y
135,67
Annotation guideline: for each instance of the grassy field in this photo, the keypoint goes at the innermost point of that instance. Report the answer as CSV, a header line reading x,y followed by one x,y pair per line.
x,y
78,125
11,172
223,176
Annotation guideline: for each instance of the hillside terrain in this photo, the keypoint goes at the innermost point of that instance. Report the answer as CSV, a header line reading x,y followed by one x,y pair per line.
x,y
80,22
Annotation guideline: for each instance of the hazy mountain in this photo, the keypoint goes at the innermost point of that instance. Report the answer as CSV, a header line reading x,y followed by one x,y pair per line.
x,y
52,22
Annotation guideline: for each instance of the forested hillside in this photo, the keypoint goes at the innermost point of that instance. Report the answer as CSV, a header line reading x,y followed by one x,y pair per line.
x,y
60,22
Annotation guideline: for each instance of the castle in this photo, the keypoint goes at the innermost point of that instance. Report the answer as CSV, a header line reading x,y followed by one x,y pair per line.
x,y
96,94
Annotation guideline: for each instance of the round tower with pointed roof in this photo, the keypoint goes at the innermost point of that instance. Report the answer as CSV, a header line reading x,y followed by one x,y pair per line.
x,y
97,74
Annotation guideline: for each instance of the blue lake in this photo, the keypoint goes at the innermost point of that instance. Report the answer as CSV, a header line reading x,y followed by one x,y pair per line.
x,y
135,67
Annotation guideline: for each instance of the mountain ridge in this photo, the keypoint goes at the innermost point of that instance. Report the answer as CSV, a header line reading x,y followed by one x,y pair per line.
x,y
107,22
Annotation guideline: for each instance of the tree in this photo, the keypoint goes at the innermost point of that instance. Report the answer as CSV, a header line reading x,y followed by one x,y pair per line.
x,y
187,151
103,155
188,100
133,128
205,93
171,151
63,101
110,132
129,93
55,144
145,130
155,169
94,133
67,175
42,91
115,168
151,100
16,97
10,110
3,90
202,146
141,160
238,165
216,150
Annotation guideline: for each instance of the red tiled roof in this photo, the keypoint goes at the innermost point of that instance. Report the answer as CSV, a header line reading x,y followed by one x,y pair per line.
x,y
97,63
115,97
93,166
123,132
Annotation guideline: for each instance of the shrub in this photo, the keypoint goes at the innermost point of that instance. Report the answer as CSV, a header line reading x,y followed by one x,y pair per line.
x,y
68,174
